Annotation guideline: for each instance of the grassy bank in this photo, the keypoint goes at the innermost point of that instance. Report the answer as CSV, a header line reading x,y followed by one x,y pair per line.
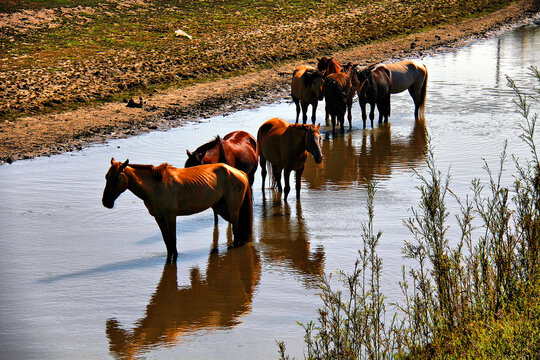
x,y
476,300
64,52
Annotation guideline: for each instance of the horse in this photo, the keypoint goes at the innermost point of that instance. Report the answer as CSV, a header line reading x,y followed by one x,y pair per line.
x,y
374,89
337,91
331,66
381,80
328,65
169,192
286,146
237,149
306,89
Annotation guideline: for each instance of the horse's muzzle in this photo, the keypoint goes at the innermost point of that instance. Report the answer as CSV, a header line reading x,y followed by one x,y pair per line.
x,y
107,203
318,159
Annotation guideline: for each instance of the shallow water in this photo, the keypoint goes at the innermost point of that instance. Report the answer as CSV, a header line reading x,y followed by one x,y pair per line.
x,y
83,281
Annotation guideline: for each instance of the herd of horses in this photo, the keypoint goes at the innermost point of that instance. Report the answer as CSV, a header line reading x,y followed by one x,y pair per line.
x,y
220,173
373,84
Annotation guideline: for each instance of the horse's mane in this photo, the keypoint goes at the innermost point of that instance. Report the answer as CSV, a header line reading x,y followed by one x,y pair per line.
x,y
157,171
205,147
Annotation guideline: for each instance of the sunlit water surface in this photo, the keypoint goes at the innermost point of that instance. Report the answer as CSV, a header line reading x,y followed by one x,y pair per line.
x,y
81,281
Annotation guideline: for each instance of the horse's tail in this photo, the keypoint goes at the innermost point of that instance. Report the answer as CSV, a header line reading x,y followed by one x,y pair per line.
x,y
271,179
422,99
245,218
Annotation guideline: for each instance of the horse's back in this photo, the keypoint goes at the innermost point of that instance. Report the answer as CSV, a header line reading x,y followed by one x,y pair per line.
x,y
297,87
405,74
268,139
240,151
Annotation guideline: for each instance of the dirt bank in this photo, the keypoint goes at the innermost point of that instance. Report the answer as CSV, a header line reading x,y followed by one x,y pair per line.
x,y
48,134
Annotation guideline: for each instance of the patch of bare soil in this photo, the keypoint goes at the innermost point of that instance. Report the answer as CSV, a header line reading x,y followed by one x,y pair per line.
x,y
49,134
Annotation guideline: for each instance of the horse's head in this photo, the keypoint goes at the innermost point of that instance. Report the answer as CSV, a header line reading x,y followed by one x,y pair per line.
x,y
117,183
314,79
194,159
322,64
313,142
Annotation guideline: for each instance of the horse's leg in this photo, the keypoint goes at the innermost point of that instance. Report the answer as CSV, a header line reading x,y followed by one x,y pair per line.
x,y
333,123
262,162
387,107
298,178
168,232
286,175
314,111
277,176
414,91
349,114
326,117
371,113
342,121
304,111
364,115
296,101
215,218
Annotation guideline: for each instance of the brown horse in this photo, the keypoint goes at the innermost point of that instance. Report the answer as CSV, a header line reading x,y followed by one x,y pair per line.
x,y
286,147
374,89
328,65
337,91
332,66
380,80
306,89
169,192
237,149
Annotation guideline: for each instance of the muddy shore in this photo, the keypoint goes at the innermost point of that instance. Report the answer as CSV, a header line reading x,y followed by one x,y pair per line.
x,y
44,135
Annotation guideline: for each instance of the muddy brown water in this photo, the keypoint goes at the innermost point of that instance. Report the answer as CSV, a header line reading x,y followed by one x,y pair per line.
x,y
81,281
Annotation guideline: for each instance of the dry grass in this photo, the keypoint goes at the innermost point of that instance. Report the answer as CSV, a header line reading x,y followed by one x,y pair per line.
x,y
58,52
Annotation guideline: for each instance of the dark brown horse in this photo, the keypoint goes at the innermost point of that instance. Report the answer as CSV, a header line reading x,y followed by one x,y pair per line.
x,y
378,81
286,147
328,65
237,149
169,192
306,89
332,66
374,89
337,91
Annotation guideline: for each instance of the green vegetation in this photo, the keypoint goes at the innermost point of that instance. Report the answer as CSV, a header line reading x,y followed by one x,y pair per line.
x,y
477,300
126,46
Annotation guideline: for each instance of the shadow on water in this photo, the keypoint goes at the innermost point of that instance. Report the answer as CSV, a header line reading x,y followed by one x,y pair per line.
x,y
354,157
145,262
217,301
285,240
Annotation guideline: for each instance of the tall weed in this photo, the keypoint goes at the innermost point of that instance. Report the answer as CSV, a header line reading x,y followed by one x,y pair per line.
x,y
452,293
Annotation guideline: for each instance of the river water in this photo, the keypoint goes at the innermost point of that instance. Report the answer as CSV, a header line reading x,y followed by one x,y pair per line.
x,y
82,281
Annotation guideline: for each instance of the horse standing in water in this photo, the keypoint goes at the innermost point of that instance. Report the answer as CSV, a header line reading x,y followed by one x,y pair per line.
x,y
169,192
237,149
306,89
329,66
337,91
286,146
378,81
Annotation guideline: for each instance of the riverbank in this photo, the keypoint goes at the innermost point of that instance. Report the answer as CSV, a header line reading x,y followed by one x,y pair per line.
x,y
43,134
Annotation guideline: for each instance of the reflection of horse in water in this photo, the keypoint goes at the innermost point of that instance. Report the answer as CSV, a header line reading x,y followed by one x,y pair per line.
x,y
215,302
285,240
351,161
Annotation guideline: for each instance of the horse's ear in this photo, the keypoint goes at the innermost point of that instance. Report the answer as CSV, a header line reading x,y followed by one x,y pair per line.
x,y
112,160
318,59
188,153
318,126
124,165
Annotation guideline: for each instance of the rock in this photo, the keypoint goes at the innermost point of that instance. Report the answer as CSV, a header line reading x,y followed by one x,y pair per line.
x,y
183,34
